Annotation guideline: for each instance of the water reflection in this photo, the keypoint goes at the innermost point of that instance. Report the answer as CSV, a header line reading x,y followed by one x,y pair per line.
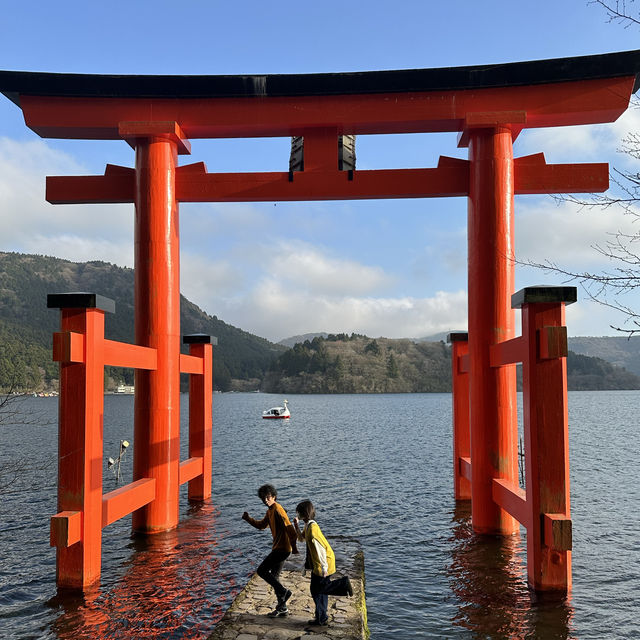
x,y
488,578
173,587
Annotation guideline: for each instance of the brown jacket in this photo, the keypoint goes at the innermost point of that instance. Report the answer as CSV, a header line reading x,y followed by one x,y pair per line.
x,y
284,535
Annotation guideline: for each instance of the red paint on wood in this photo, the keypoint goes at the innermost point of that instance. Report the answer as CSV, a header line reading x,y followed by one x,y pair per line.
x,y
68,346
121,354
546,436
465,467
534,175
80,447
142,131
461,435
323,183
200,421
157,326
507,352
492,391
190,469
191,364
125,500
557,104
512,499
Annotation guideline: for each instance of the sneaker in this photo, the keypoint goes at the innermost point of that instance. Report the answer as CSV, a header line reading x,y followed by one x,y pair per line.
x,y
316,623
278,613
349,587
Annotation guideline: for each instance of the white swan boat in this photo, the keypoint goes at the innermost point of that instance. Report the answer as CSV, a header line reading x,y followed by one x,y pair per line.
x,y
277,412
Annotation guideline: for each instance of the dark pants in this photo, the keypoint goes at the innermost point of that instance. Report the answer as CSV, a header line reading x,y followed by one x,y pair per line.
x,y
323,587
270,570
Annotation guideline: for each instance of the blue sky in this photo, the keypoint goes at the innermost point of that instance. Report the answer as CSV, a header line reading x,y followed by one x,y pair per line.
x,y
392,268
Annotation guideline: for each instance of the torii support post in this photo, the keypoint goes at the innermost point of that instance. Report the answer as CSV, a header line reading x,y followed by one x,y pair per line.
x,y
157,318
76,530
544,507
492,392
460,399
200,414
546,435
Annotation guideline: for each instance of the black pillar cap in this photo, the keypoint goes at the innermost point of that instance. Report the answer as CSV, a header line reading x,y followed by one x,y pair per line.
x,y
458,336
543,294
80,300
199,338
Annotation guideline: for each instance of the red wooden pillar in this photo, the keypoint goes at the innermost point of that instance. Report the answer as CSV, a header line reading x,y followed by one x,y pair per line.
x,y
492,391
157,318
460,398
200,414
76,530
546,435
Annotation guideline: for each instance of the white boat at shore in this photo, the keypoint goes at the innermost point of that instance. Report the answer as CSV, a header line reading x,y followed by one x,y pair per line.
x,y
277,412
125,388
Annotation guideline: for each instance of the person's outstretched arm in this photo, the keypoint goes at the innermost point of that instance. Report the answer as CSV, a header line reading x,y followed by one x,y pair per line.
x,y
258,524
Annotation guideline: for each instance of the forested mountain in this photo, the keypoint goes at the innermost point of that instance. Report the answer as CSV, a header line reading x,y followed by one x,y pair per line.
x,y
586,373
27,326
358,364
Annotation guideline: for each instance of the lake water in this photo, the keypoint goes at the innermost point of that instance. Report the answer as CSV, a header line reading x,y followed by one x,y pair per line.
x,y
378,467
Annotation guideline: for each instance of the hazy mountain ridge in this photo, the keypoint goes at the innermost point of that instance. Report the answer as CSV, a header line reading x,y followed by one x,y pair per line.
x,y
620,351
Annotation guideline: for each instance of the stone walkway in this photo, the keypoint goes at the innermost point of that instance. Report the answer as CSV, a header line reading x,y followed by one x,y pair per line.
x,y
246,618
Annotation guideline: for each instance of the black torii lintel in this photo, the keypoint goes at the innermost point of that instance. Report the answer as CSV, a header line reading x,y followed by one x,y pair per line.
x,y
13,84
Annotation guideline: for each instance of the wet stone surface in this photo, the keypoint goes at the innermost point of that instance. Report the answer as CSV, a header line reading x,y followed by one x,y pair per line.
x,y
246,618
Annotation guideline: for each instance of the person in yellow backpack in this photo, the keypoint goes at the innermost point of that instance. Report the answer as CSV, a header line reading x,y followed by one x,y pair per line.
x,y
322,562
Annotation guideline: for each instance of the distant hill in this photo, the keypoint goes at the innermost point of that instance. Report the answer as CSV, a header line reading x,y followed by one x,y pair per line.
x,y
618,350
359,364
587,373
26,325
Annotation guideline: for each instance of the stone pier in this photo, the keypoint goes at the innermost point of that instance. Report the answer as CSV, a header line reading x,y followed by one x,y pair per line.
x,y
246,618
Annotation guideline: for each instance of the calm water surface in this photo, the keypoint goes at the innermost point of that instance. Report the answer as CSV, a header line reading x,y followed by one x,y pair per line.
x,y
378,467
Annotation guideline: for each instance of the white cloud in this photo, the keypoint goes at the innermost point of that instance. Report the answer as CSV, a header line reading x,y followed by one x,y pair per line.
x,y
79,249
566,233
204,281
302,265
302,289
31,225
274,311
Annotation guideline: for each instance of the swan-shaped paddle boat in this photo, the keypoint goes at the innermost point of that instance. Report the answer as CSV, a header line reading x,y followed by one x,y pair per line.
x,y
277,412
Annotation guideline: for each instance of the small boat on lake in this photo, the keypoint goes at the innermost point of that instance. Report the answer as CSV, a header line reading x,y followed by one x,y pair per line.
x,y
278,412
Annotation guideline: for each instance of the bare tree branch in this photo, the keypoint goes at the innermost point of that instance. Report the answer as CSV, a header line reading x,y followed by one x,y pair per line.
x,y
618,11
602,288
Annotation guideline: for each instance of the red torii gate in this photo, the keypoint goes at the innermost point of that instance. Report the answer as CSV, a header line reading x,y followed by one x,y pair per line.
x,y
488,106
